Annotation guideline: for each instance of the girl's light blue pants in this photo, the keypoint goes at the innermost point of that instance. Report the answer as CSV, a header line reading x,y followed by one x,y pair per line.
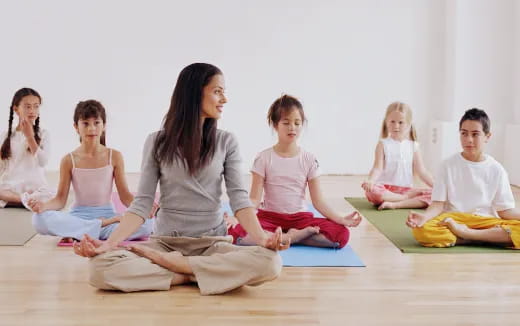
x,y
83,220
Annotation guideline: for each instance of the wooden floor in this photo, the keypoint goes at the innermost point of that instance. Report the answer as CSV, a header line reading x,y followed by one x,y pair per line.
x,y
41,284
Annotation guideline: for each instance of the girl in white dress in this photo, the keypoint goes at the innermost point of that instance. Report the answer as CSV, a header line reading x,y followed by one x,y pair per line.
x,y
398,159
24,152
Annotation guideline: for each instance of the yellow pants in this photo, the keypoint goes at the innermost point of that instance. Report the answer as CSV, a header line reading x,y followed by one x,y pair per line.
x,y
431,234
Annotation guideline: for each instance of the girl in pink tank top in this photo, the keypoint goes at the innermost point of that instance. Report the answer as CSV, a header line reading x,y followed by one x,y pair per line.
x,y
282,174
92,169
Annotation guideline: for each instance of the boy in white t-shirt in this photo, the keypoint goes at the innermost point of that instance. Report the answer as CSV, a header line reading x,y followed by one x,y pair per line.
x,y
471,199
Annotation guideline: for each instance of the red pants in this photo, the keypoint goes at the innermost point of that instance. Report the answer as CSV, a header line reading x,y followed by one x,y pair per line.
x,y
271,220
376,195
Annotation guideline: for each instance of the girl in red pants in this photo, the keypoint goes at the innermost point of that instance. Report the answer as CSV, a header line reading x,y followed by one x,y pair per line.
x,y
281,174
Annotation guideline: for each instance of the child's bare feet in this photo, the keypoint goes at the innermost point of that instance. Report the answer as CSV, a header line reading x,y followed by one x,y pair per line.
x,y
387,205
111,220
297,235
460,230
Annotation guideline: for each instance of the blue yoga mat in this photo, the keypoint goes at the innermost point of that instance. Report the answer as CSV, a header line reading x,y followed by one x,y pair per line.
x,y
303,256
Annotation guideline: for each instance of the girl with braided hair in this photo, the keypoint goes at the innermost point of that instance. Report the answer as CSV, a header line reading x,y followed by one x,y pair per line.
x,y
24,152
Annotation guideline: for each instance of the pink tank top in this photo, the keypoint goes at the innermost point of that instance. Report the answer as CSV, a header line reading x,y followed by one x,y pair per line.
x,y
93,187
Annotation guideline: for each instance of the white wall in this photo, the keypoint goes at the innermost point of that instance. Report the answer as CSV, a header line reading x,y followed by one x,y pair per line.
x,y
516,64
346,60
512,150
483,64
479,57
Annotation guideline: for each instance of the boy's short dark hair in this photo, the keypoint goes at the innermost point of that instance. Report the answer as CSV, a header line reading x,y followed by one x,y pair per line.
x,y
477,115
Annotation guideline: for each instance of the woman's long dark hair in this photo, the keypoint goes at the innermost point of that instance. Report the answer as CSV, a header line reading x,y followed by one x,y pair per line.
x,y
182,137
5,150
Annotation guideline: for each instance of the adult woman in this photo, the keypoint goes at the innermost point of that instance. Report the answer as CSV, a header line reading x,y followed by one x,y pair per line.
x,y
189,157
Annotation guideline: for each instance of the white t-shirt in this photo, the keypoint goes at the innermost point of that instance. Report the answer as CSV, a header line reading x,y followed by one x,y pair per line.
x,y
398,168
285,179
480,188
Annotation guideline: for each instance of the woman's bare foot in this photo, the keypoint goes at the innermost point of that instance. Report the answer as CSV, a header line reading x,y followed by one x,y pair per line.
x,y
179,279
387,205
163,259
173,261
157,257
298,235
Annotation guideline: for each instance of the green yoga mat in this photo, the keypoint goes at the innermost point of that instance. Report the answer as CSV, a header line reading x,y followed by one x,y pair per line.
x,y
392,224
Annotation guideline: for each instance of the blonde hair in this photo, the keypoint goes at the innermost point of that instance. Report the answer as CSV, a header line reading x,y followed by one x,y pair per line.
x,y
407,111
